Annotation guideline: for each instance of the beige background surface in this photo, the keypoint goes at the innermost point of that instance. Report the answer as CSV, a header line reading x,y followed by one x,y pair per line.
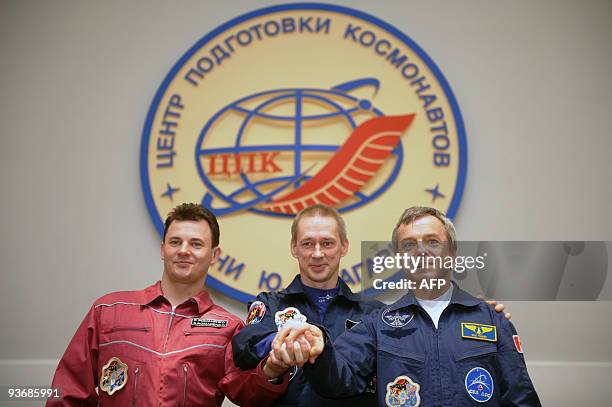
x,y
532,79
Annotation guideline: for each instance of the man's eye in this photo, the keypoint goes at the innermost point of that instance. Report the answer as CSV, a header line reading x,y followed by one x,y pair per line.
x,y
408,245
306,244
174,242
328,244
434,243
198,245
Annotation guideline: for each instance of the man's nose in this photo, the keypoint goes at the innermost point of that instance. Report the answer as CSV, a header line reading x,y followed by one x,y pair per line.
x,y
421,247
317,252
184,248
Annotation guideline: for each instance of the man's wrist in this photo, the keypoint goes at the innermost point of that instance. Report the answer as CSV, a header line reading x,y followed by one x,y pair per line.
x,y
273,375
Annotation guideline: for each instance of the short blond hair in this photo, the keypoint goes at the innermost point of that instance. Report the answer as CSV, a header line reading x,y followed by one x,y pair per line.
x,y
322,211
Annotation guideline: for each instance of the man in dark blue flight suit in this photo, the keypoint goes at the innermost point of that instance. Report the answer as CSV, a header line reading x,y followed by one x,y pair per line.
x,y
318,242
433,347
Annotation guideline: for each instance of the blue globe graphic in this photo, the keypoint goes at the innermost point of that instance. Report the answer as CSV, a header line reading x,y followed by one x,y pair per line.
x,y
336,103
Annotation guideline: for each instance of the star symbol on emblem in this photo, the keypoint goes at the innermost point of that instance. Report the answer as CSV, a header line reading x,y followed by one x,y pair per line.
x,y
435,193
170,191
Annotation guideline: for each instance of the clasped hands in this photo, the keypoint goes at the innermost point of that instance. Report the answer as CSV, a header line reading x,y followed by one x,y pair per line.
x,y
294,346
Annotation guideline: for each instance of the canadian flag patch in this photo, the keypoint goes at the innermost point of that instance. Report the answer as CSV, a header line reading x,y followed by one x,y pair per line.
x,y
517,343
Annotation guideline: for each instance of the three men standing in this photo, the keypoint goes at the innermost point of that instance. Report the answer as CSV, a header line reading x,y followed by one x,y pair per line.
x,y
169,344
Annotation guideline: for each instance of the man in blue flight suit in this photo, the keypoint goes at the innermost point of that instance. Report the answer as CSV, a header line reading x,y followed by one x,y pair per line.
x,y
434,347
318,242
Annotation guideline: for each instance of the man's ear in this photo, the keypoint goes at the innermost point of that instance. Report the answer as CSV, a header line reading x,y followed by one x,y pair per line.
x,y
345,247
293,246
216,253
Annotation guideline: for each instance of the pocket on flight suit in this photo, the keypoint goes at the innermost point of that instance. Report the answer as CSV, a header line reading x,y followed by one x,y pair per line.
x,y
127,346
128,393
400,370
476,377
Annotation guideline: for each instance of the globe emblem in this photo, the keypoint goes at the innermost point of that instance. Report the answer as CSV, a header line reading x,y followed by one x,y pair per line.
x,y
281,139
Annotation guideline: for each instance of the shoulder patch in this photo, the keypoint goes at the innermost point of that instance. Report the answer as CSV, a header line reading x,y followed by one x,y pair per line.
x,y
257,310
481,332
517,343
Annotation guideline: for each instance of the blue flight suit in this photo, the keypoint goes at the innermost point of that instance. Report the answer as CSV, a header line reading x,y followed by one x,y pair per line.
x,y
344,311
419,365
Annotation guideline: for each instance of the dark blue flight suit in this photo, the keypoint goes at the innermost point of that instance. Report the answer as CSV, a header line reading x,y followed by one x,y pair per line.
x,y
473,358
344,311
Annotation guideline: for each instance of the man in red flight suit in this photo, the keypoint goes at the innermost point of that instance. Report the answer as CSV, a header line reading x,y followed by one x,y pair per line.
x,y
167,344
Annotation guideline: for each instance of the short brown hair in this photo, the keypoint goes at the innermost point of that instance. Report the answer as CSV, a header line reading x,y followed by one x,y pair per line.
x,y
416,212
195,212
322,211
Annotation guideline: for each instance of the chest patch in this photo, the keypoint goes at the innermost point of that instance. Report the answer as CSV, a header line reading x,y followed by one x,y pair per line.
x,y
479,332
210,323
114,376
479,384
403,392
289,316
396,319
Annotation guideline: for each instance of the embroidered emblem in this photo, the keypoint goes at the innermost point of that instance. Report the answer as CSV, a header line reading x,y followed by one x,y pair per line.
x,y
480,332
289,316
211,323
479,384
257,310
325,298
403,392
396,320
517,343
114,376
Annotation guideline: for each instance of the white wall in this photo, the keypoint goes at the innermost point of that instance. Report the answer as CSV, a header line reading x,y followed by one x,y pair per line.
x,y
532,79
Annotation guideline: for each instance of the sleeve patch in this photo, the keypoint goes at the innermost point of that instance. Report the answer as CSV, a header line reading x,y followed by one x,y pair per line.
x,y
257,310
517,343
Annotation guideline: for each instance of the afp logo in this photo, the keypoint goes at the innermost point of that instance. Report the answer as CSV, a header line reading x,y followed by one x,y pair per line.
x,y
293,105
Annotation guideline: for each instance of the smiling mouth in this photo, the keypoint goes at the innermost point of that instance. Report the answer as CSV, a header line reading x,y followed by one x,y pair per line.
x,y
183,263
318,266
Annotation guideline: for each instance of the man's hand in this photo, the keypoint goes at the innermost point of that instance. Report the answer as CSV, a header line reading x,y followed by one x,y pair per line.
x,y
313,336
286,354
499,308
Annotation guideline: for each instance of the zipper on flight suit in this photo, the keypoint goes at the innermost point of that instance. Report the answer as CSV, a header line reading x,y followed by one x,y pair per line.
x,y
436,330
169,325
437,352
135,384
184,385
128,328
